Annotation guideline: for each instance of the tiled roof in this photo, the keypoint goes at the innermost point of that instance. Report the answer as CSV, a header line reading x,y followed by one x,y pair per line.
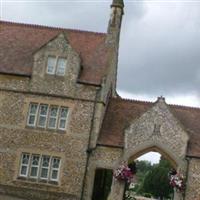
x,y
190,119
20,41
121,112
118,116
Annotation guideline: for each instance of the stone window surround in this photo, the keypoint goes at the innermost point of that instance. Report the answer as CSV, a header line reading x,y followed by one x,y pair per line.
x,y
49,103
22,180
38,177
57,57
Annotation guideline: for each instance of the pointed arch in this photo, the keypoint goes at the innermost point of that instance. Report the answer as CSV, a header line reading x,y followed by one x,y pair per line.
x,y
155,147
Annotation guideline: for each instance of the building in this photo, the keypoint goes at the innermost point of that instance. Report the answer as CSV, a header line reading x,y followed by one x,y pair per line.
x,y
62,121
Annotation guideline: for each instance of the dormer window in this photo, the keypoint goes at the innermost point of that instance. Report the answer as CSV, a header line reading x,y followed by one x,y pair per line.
x,y
56,65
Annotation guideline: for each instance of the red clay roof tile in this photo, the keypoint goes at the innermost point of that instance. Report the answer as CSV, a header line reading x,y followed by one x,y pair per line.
x,y
121,111
20,41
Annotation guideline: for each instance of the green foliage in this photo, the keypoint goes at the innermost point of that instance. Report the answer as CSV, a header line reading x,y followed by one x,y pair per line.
x,y
143,166
152,180
156,182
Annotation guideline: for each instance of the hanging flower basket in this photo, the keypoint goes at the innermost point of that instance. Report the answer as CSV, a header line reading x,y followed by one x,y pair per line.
x,y
177,181
123,173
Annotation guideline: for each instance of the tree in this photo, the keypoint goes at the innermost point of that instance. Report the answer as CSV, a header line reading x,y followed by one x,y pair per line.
x,y
156,180
143,167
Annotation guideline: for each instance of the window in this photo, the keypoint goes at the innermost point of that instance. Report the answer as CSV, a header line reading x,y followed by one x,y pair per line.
x,y
56,65
34,166
32,114
47,116
40,167
53,117
61,66
43,115
24,165
51,65
63,118
55,169
45,167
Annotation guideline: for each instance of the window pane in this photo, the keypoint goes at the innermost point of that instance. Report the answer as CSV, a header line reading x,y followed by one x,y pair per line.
x,y
43,115
25,158
43,109
54,174
53,117
44,173
52,123
54,111
33,108
45,161
31,120
23,170
51,63
61,66
62,124
56,163
32,114
35,160
42,121
64,112
34,171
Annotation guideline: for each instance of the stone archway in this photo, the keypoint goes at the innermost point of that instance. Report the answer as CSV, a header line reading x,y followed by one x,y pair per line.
x,y
167,155
172,161
157,129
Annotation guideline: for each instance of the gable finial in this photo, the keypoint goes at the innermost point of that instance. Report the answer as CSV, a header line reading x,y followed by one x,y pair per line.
x,y
161,98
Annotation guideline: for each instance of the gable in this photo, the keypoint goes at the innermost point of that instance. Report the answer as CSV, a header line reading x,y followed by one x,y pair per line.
x,y
157,128
20,41
121,112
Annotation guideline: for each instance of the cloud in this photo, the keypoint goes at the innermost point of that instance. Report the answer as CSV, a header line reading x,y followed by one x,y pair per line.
x,y
160,53
69,14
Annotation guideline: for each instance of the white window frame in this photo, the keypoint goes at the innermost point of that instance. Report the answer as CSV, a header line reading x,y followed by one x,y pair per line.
x,y
54,68
48,116
53,117
30,114
62,118
38,177
36,166
56,72
26,165
55,169
56,65
41,115
42,167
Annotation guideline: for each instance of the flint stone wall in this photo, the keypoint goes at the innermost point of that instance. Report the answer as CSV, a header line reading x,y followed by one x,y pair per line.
x,y
160,129
193,183
16,93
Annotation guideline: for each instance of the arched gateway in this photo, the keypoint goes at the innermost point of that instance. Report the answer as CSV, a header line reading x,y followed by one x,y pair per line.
x,y
132,128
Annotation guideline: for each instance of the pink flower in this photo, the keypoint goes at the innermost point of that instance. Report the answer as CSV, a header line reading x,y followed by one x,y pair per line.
x,y
123,173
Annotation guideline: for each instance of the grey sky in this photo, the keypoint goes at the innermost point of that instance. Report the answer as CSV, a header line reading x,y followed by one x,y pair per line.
x,y
160,40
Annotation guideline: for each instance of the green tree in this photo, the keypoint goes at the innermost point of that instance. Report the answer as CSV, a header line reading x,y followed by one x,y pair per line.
x,y
156,180
143,167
